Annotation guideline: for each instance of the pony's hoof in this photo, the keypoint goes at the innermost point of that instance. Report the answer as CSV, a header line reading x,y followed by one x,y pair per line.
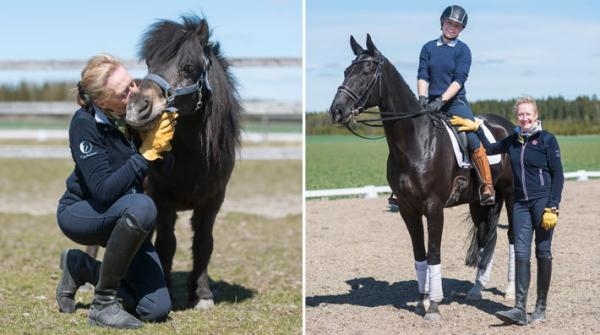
x,y
205,304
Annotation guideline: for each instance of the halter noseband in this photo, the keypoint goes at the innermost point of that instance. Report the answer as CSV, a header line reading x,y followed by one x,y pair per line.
x,y
171,92
360,101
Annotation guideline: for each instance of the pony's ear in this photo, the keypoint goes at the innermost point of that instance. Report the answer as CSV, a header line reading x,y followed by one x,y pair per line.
x,y
371,48
202,32
356,48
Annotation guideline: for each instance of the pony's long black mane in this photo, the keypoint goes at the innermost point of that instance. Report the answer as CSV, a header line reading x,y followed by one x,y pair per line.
x,y
220,117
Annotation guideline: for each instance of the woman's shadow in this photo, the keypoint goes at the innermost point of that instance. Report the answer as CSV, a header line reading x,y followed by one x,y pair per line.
x,y
369,292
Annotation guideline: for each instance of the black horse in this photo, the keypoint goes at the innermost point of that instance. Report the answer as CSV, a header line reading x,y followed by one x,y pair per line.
x,y
187,73
422,170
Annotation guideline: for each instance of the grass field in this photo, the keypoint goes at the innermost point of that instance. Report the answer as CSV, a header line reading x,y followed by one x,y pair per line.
x,y
348,161
256,268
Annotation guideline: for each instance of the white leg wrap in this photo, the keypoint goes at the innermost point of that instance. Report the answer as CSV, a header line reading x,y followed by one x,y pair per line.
x,y
483,276
435,281
421,268
511,263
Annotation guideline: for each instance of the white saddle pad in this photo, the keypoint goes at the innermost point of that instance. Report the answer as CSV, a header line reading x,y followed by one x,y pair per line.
x,y
464,161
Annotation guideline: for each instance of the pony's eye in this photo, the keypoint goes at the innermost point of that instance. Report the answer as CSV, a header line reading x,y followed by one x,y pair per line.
x,y
187,69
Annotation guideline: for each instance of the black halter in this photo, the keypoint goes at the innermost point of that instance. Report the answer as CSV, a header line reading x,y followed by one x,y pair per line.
x,y
171,92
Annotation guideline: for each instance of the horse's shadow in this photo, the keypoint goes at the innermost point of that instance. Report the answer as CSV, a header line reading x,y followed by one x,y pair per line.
x,y
222,291
368,292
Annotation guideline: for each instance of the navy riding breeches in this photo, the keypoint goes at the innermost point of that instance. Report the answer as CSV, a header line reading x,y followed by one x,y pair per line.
x,y
460,107
527,219
144,287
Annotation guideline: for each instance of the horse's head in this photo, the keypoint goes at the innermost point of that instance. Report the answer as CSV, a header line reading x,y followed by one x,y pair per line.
x,y
178,64
357,92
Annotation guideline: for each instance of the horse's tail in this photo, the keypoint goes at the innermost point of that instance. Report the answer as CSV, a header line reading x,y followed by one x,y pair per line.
x,y
482,234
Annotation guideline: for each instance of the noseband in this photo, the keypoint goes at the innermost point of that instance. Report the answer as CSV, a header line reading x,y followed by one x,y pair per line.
x,y
171,92
360,101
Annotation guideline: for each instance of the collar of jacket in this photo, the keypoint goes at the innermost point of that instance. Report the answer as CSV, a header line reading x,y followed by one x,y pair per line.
x,y
440,42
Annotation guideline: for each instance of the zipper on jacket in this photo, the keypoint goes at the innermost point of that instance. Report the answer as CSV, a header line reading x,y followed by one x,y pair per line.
x,y
540,173
524,181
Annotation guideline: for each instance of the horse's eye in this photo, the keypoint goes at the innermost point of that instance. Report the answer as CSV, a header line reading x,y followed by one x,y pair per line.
x,y
368,67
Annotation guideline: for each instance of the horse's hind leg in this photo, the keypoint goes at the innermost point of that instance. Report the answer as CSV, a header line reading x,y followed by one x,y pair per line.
x,y
199,294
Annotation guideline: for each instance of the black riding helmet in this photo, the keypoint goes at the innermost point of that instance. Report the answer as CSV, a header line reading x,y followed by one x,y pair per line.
x,y
456,14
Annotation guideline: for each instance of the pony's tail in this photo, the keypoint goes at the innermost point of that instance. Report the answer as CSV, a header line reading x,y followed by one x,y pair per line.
x,y
482,236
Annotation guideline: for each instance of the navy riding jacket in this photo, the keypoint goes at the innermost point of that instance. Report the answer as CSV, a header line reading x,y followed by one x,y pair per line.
x,y
536,165
107,164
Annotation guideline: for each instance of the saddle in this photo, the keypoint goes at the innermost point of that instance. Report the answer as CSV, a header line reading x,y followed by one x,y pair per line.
x,y
459,144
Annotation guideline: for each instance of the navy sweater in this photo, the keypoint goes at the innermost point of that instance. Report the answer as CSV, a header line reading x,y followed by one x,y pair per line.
x,y
536,165
107,165
440,65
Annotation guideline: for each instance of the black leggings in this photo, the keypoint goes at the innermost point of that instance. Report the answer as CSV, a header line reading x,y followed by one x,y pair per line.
x,y
144,285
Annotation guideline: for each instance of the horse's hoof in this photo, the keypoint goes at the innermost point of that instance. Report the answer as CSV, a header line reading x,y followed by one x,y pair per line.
x,y
433,316
420,309
433,312
474,293
205,304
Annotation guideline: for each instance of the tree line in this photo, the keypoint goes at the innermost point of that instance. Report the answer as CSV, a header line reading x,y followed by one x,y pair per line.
x,y
560,116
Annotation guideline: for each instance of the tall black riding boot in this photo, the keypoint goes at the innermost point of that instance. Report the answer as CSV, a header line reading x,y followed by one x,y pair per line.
x,y
125,240
518,314
544,274
77,268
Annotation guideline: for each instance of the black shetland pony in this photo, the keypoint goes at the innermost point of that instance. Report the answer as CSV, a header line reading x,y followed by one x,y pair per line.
x,y
421,168
187,73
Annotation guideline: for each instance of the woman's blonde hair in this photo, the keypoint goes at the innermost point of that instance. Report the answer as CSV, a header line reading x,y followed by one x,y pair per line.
x,y
526,99
94,77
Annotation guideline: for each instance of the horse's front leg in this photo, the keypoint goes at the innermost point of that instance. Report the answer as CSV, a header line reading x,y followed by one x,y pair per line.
x,y
414,225
199,293
435,225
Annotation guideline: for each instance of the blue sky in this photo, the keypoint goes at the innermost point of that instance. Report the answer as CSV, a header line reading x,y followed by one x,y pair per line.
x,y
540,48
73,29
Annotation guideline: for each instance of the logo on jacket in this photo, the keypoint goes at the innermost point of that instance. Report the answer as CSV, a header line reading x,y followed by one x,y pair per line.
x,y
86,149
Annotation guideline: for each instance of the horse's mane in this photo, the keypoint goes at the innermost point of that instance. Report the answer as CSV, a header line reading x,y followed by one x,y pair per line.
x,y
220,126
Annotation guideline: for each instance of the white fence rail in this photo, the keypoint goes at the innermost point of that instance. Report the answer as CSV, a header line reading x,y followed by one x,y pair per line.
x,y
372,191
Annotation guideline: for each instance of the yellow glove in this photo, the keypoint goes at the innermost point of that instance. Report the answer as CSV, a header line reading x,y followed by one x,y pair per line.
x,y
158,139
465,124
550,218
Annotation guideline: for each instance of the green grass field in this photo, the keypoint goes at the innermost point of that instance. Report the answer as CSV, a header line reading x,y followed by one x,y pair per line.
x,y
348,161
256,268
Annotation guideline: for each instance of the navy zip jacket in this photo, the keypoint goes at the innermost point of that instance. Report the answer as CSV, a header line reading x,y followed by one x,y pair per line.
x,y
107,165
536,165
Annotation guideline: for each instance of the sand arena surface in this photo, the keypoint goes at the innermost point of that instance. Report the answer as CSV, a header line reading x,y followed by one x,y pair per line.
x,y
360,276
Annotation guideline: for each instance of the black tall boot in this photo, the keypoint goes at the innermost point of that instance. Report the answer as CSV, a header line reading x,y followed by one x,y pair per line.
x,y
125,240
77,268
518,314
544,274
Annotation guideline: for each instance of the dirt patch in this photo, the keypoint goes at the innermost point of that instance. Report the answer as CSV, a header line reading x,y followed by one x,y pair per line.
x,y
360,276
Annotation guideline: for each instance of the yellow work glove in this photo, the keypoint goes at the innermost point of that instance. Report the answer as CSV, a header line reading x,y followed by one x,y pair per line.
x,y
158,139
550,218
465,124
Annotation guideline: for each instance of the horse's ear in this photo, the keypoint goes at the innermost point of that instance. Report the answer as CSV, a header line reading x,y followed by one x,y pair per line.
x,y
202,32
356,48
371,48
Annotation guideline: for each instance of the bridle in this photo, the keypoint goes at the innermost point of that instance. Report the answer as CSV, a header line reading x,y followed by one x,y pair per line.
x,y
171,92
360,101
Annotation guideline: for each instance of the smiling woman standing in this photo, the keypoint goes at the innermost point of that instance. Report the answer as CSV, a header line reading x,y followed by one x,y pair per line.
x,y
538,180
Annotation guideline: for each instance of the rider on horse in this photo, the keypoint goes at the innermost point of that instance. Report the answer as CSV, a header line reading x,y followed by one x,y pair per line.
x,y
444,66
